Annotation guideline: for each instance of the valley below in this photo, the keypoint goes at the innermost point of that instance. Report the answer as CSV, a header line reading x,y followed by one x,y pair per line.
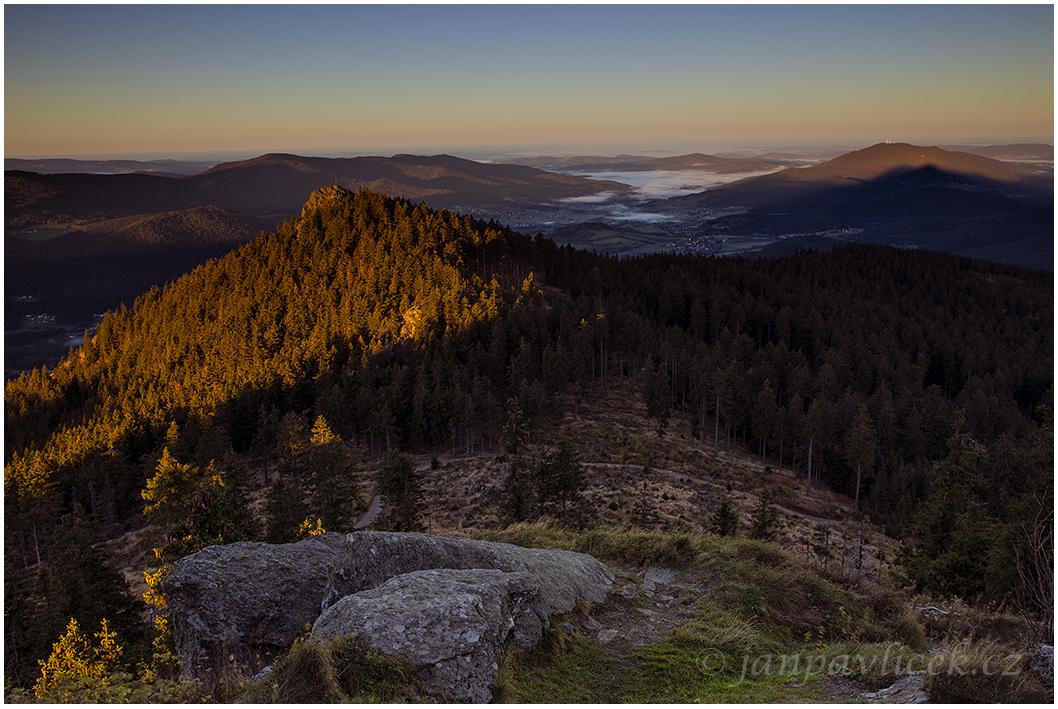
x,y
77,246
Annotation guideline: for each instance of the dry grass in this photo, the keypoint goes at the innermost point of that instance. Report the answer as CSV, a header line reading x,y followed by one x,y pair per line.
x,y
345,670
985,671
628,490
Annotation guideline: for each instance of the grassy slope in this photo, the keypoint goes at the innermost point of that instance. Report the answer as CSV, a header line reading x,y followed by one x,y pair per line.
x,y
735,610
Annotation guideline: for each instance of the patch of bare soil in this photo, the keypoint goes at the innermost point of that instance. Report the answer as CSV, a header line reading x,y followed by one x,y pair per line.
x,y
644,607
846,689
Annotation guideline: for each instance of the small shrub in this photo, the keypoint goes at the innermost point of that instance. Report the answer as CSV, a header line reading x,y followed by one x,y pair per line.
x,y
640,548
75,666
909,631
715,629
725,521
304,675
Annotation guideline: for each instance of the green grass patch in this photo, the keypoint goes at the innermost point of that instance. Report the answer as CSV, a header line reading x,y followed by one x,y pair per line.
x,y
581,671
793,600
671,673
574,670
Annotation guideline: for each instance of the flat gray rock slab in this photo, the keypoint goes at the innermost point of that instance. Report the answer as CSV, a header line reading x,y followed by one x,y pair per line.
x,y
909,689
655,577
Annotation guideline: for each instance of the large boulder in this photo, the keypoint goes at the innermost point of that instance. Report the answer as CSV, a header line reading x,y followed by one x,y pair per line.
x,y
245,603
452,623
242,604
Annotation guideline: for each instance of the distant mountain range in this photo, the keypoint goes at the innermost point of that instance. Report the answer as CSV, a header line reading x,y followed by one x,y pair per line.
x,y
108,167
1012,151
279,184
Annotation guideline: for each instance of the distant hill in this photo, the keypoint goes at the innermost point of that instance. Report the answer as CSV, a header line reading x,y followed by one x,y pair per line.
x,y
31,198
899,194
551,162
1013,151
280,181
108,167
278,184
167,241
861,167
89,270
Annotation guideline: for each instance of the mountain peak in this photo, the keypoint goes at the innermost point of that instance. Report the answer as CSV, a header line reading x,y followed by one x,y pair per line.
x,y
891,159
327,194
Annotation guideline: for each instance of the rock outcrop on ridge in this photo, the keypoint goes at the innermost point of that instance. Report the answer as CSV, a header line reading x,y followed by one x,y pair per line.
x,y
242,604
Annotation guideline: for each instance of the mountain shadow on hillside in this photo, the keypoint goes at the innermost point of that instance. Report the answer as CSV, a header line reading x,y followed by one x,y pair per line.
x,y
898,195
877,165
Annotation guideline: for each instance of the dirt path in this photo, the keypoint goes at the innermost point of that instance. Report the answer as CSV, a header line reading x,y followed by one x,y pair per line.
x,y
371,514
376,504
683,476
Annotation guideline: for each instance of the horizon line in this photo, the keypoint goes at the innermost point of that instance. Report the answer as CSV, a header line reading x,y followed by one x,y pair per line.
x,y
548,148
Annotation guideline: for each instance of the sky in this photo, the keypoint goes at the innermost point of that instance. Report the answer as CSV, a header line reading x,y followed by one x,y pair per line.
x,y
153,80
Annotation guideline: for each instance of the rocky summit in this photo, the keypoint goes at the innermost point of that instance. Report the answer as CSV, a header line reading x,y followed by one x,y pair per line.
x,y
450,606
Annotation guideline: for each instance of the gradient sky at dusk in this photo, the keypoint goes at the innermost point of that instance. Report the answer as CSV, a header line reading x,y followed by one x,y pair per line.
x,y
125,79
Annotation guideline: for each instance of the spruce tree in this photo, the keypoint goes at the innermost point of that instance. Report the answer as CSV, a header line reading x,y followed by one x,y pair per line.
x,y
953,534
725,522
329,466
287,507
765,523
401,486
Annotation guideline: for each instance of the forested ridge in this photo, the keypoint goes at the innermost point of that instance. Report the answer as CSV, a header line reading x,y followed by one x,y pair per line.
x,y
401,327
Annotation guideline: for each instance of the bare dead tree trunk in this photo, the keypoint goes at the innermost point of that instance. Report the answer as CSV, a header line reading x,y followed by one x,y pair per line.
x,y
809,490
716,429
859,467
781,426
1034,598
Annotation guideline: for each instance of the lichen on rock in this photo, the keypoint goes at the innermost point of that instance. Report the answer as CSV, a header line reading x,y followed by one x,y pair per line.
x,y
454,624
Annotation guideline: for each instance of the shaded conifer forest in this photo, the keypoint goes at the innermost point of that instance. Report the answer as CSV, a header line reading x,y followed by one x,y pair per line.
x,y
918,383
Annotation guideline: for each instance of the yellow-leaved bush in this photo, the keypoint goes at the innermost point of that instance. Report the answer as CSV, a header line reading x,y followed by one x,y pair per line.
x,y
75,664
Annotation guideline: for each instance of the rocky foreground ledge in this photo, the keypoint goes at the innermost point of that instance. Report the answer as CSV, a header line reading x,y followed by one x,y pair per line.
x,y
450,606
